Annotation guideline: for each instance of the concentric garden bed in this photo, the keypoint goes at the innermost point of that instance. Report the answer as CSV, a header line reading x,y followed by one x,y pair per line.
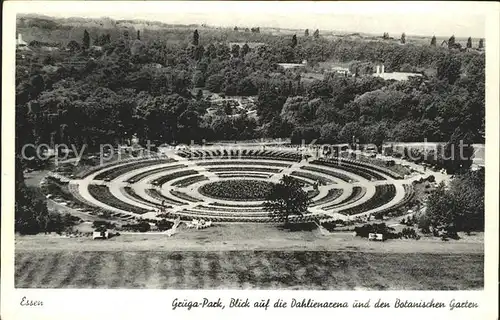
x,y
237,190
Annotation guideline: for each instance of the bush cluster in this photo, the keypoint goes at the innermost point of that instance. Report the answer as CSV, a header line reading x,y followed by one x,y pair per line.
x,y
388,232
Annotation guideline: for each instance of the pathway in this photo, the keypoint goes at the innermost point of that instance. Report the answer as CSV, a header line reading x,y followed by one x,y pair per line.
x,y
139,187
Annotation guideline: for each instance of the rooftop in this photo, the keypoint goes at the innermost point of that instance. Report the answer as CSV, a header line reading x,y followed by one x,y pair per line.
x,y
399,76
292,65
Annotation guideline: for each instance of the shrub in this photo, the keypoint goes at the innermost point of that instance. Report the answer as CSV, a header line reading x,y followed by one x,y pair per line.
x,y
446,232
164,225
431,178
99,225
409,233
424,223
137,227
390,163
330,226
381,228
379,215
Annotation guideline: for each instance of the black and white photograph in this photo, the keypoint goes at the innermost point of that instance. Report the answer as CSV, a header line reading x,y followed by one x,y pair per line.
x,y
245,149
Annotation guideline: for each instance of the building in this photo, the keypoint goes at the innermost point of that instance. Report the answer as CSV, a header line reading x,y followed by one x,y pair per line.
x,y
49,48
398,76
20,42
293,65
341,71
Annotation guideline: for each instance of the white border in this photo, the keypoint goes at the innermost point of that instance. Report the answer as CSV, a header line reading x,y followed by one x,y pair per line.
x,y
84,304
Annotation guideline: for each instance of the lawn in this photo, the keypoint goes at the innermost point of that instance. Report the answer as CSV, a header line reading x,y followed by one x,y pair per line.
x,y
241,256
319,270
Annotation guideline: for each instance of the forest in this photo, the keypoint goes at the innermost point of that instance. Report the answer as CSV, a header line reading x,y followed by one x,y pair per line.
x,y
108,86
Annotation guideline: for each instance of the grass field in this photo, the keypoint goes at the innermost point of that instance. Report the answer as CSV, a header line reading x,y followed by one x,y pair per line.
x,y
248,256
318,270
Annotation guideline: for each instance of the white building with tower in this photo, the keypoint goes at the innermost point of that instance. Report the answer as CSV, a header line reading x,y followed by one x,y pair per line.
x,y
398,76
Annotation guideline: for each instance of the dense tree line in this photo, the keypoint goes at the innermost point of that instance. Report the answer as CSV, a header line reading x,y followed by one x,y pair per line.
x,y
121,92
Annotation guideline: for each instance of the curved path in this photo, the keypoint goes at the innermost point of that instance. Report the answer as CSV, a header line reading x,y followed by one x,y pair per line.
x,y
117,185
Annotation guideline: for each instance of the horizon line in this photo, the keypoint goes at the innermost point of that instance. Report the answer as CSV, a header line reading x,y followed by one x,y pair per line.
x,y
266,25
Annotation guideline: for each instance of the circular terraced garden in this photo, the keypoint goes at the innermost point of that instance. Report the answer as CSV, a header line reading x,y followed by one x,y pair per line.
x,y
229,186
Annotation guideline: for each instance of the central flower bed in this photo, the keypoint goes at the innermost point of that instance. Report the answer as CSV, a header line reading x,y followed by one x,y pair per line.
x,y
237,190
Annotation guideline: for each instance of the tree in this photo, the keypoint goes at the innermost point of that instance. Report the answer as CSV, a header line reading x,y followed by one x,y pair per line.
x,y
403,38
451,42
138,34
296,110
330,133
235,28
440,207
304,135
376,135
196,37
245,49
286,198
461,207
235,50
350,132
214,83
469,42
73,46
269,104
316,34
198,79
386,35
448,67
31,214
306,33
458,152
199,94
86,39
433,41
294,41
277,128
467,192
246,87
481,44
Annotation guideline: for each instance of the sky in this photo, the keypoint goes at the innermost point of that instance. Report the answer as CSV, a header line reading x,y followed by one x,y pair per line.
x,y
461,19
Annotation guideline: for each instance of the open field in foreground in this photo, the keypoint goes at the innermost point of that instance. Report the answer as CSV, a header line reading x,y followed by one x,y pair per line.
x,y
255,237
248,256
248,269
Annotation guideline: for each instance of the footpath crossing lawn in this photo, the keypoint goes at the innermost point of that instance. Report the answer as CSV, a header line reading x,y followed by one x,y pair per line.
x,y
319,270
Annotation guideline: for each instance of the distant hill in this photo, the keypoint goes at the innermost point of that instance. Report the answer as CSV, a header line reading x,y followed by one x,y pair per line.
x,y
51,29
